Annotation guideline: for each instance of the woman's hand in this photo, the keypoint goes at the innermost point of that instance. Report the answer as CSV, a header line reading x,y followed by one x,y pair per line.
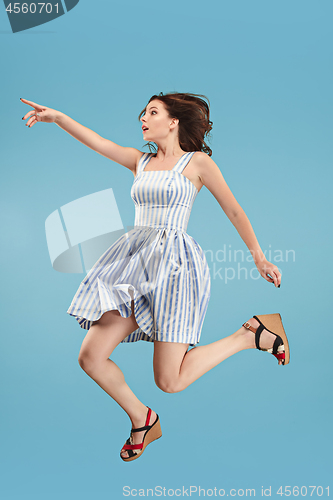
x,y
270,272
45,114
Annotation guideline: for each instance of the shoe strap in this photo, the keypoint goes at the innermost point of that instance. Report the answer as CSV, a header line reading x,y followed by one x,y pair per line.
x,y
146,426
148,416
277,342
140,429
258,333
133,446
130,452
249,327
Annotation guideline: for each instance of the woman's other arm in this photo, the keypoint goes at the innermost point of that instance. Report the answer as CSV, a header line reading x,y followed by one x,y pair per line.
x,y
213,179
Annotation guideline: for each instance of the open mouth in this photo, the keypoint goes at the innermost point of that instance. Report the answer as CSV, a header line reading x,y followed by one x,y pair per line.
x,y
144,129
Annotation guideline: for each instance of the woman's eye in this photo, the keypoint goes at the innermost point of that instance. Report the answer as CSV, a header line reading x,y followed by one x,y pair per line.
x,y
153,112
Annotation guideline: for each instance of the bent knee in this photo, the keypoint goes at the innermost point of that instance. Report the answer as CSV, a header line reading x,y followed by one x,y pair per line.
x,y
167,385
87,362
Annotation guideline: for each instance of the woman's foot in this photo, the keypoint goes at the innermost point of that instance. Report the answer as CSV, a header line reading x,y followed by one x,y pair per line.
x,y
266,338
137,437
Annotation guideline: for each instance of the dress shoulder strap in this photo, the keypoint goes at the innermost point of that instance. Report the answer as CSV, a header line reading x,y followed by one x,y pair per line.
x,y
183,161
143,162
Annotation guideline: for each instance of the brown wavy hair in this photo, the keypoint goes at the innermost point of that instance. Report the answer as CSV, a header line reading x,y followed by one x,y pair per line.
x,y
193,115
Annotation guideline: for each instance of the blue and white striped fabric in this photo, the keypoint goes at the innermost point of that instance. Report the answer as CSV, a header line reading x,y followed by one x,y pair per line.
x,y
157,264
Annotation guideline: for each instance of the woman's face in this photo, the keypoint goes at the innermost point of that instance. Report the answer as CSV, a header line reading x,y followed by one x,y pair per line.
x,y
156,121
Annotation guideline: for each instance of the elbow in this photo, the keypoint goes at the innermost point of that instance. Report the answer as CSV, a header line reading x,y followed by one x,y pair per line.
x,y
235,213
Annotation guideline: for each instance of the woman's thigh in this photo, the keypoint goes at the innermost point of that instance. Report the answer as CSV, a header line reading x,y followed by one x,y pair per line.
x,y
106,333
168,358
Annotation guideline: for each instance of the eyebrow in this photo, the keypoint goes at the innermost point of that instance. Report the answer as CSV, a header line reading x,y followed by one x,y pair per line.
x,y
152,107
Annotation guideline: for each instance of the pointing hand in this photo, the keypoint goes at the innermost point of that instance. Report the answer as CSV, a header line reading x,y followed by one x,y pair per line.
x,y
39,114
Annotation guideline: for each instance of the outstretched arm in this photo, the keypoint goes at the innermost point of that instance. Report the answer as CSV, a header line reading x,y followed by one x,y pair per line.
x,y
212,178
128,157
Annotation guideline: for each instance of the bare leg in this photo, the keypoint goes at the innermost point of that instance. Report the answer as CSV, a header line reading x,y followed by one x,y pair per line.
x,y
97,346
175,368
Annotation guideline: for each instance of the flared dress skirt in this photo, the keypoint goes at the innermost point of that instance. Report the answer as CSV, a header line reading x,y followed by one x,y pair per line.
x,y
156,264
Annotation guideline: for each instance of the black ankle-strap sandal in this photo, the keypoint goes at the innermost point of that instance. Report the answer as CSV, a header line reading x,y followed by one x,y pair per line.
x,y
273,324
152,433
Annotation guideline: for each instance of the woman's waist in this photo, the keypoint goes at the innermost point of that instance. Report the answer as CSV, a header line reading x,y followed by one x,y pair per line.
x,y
162,219
159,227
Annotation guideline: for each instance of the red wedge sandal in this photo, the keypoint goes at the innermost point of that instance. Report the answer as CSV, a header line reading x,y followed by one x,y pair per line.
x,y
152,432
273,324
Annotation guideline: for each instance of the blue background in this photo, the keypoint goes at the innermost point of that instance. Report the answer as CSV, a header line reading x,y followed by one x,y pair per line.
x,y
267,69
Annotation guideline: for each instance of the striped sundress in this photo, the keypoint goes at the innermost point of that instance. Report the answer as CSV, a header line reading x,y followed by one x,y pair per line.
x,y
156,264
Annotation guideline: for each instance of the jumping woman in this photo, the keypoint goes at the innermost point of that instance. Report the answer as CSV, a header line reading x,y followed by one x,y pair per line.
x,y
153,283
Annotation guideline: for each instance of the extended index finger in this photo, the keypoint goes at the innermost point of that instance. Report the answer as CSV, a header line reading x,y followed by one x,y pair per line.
x,y
31,103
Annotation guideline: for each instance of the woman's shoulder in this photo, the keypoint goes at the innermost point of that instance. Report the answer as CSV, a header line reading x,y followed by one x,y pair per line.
x,y
204,165
200,158
201,155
